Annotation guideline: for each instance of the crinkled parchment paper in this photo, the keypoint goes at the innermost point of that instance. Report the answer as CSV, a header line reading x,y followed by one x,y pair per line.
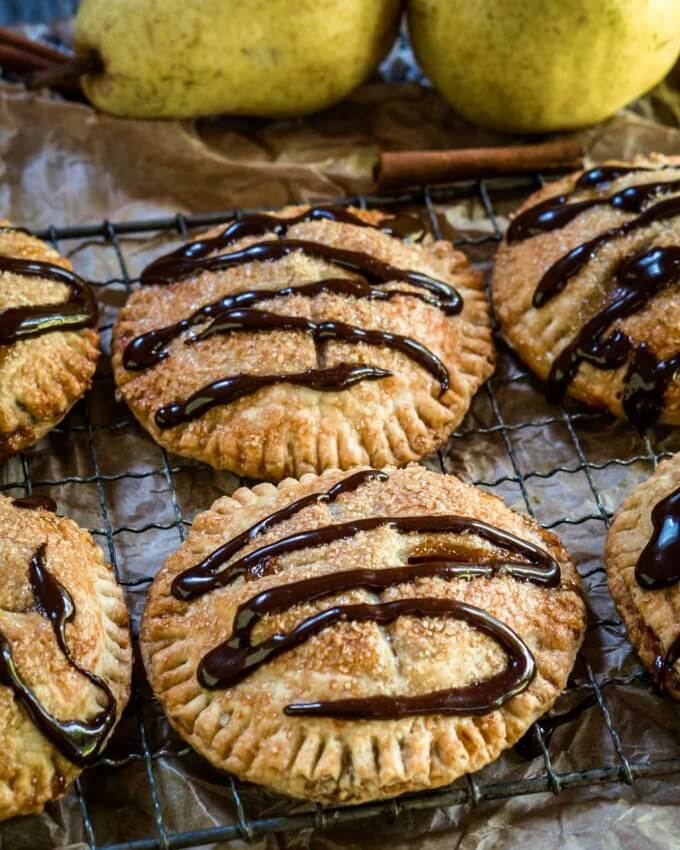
x,y
64,164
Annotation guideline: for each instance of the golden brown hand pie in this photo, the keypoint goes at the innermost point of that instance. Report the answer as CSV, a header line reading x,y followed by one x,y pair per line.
x,y
357,635
313,340
65,656
642,559
48,343
587,288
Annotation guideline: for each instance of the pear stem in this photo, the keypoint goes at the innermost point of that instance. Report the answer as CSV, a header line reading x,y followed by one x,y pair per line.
x,y
67,72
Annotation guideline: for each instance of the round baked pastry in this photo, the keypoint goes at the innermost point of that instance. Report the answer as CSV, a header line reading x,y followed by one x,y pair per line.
x,y
361,634
65,656
642,558
48,343
586,288
314,339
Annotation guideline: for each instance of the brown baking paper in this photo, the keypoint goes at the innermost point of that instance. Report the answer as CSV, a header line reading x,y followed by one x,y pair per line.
x,y
62,163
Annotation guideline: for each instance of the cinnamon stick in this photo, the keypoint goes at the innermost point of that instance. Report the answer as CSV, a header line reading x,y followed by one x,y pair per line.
x,y
408,168
20,61
28,45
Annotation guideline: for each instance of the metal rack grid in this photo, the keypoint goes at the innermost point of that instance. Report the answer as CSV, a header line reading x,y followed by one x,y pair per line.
x,y
472,792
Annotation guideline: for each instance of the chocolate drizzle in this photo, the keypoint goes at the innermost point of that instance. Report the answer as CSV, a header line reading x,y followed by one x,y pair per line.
x,y
374,270
231,312
78,311
560,273
214,571
557,212
229,390
44,503
659,562
261,320
236,658
76,740
150,348
636,280
258,224
182,584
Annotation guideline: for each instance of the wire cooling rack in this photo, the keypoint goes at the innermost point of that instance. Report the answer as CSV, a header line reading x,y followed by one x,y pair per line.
x,y
542,452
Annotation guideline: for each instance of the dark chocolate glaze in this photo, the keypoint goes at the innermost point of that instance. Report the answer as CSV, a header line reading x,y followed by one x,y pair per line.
x,y
258,224
659,562
78,311
213,572
374,270
150,348
560,273
78,741
636,281
182,584
529,745
603,174
262,320
45,503
236,658
228,390
557,212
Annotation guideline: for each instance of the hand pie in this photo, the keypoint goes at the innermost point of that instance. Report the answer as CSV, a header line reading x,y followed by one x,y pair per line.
x,y
316,339
360,634
48,342
65,657
587,288
642,558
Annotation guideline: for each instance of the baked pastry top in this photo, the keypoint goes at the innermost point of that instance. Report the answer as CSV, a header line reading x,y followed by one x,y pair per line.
x,y
308,340
586,287
642,559
357,635
65,654
49,346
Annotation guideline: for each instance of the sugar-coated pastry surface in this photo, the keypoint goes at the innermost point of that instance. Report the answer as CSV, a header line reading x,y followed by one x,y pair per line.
x,y
360,634
319,343
642,559
587,288
65,654
49,345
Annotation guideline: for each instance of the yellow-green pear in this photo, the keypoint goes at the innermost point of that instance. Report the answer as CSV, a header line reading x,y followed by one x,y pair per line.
x,y
178,58
541,65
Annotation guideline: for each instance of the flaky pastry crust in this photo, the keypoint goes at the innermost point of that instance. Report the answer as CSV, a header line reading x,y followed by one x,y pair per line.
x,y
652,617
242,729
41,378
539,335
32,770
290,430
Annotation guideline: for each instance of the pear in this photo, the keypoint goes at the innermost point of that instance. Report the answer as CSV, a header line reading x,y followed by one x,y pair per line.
x,y
541,65
177,58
